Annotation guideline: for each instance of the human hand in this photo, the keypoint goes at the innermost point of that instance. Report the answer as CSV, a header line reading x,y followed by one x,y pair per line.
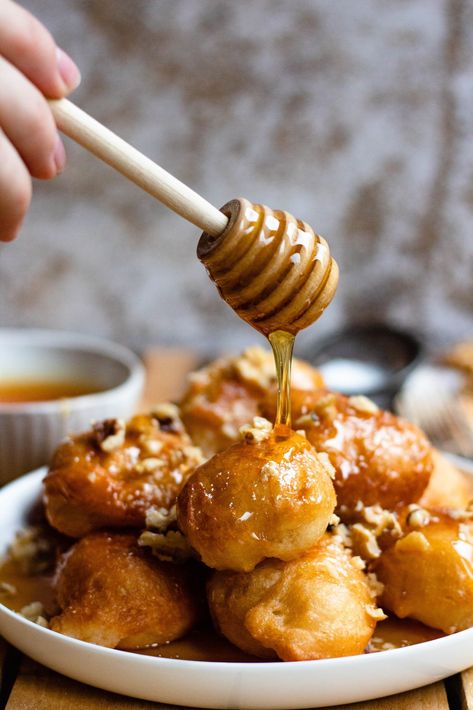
x,y
31,67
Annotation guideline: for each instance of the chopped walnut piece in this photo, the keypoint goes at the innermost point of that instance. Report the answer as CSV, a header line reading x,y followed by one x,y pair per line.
x,y
258,431
375,612
168,417
364,542
35,612
270,470
169,547
326,405
7,589
327,464
160,518
32,551
463,514
149,465
376,587
363,404
358,562
152,446
334,519
417,517
109,434
381,520
256,367
343,532
305,419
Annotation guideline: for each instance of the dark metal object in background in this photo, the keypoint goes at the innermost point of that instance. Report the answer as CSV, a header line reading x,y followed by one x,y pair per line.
x,y
372,360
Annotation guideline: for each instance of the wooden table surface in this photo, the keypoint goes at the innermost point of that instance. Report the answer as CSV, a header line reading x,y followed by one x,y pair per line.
x,y
26,685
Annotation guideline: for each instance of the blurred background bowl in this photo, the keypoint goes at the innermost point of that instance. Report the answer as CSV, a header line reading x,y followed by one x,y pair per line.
x,y
29,431
373,360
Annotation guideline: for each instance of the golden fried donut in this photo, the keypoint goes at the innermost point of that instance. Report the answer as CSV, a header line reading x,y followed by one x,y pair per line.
x,y
448,487
266,496
378,457
318,606
428,573
113,593
226,394
111,475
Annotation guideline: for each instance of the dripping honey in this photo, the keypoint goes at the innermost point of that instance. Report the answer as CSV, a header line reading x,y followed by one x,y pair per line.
x,y
282,344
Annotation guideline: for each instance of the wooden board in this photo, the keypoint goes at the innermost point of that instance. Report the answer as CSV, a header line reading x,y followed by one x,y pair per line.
x,y
41,689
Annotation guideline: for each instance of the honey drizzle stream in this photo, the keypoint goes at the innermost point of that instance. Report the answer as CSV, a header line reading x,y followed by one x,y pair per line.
x,y
282,344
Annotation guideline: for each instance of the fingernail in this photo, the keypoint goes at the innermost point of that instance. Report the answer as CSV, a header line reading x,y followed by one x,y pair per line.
x,y
59,156
69,72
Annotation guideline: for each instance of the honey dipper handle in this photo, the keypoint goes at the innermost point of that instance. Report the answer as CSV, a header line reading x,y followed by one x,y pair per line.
x,y
107,146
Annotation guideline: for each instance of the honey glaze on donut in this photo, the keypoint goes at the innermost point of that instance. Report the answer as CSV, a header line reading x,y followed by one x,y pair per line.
x,y
276,273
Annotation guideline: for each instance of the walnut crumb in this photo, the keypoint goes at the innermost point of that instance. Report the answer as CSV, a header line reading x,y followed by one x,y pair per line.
x,y
364,541
259,430
168,417
305,420
417,517
363,404
149,465
327,464
334,519
375,612
381,520
326,406
256,367
160,518
7,589
169,547
152,446
270,470
358,562
109,434
376,587
343,532
35,612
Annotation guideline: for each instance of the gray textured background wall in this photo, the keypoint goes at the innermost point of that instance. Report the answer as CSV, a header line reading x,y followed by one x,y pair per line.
x,y
356,115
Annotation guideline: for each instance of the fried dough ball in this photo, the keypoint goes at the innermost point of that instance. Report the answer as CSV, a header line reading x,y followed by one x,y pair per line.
x,y
448,487
226,394
318,606
428,573
378,457
113,593
111,475
266,496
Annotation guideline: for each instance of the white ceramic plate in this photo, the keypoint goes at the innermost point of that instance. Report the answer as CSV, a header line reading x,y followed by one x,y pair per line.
x,y
307,684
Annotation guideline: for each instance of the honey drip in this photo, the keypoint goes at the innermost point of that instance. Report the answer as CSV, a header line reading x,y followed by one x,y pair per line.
x,y
282,344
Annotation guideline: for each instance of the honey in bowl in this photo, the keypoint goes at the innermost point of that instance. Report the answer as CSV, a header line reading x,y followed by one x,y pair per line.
x,y
43,390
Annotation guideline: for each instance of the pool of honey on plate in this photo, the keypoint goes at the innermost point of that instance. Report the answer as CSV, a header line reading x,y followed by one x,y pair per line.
x,y
43,390
202,644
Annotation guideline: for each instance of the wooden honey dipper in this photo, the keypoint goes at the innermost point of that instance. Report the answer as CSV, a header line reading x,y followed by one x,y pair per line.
x,y
272,269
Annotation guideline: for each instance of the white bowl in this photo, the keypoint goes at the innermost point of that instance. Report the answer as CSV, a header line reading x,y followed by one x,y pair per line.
x,y
208,684
30,431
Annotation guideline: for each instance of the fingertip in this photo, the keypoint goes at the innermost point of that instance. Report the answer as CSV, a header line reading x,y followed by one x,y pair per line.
x,y
9,235
68,70
59,156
